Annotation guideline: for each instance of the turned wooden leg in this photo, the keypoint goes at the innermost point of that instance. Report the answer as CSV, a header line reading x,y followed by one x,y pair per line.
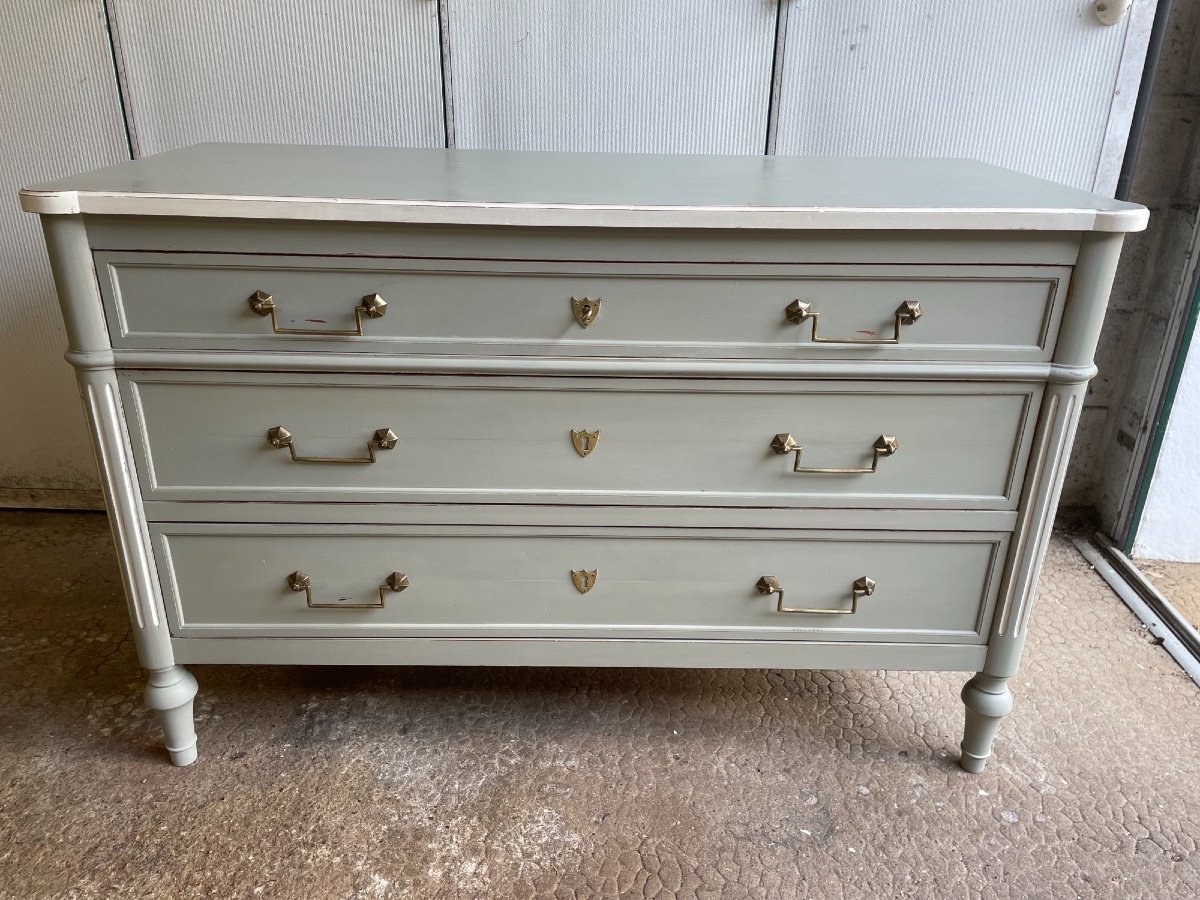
x,y
988,700
170,694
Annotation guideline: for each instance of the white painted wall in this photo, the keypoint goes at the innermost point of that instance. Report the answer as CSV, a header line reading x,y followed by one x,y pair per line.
x,y
59,114
614,76
1170,523
356,72
1040,86
1035,85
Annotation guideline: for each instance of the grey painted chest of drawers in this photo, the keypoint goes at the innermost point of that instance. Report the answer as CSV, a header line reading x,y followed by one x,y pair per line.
x,y
439,407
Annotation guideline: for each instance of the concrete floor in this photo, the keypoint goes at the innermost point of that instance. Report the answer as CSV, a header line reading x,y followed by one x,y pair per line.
x,y
1179,582
512,783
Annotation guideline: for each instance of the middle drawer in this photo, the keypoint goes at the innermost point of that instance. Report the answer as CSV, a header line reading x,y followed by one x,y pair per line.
x,y
366,438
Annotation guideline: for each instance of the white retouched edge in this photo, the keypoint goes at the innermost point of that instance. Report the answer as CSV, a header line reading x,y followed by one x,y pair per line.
x,y
444,212
404,364
706,653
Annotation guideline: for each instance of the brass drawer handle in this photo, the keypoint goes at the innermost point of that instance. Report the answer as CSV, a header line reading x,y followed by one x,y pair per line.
x,y
299,581
383,439
798,311
885,445
862,587
372,307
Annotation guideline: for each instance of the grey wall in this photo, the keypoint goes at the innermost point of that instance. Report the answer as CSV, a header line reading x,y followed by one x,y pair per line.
x,y
60,112
1153,284
621,75
280,71
1035,85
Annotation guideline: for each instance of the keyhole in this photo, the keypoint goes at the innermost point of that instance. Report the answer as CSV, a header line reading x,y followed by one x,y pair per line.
x,y
584,441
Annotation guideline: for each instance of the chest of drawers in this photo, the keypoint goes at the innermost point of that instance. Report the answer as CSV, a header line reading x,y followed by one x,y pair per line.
x,y
439,407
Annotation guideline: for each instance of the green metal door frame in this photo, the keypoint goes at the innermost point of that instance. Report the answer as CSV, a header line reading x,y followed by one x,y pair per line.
x,y
1166,403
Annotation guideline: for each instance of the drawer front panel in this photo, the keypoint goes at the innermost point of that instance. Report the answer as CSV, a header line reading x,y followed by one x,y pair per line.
x,y
539,440
464,307
229,580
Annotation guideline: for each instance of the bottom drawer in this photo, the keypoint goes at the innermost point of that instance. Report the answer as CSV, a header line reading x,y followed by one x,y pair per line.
x,y
522,581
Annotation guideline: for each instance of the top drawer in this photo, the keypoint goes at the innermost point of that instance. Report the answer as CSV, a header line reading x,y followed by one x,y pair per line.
x,y
637,309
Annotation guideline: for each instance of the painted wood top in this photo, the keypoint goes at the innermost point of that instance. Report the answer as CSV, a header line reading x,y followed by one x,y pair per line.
x,y
484,187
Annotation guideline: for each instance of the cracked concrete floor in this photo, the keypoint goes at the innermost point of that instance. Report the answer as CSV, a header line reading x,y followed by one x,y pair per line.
x,y
509,783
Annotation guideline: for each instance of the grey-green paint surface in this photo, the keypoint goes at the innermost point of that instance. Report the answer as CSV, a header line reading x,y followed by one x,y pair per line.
x,y
566,516
204,437
507,581
607,189
391,239
680,508
451,306
706,653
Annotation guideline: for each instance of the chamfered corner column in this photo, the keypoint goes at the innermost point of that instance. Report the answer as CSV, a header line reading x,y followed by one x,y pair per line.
x,y
171,687
170,694
986,695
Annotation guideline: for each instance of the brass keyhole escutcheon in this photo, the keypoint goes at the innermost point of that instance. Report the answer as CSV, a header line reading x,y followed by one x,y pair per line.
x,y
586,309
585,441
583,579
